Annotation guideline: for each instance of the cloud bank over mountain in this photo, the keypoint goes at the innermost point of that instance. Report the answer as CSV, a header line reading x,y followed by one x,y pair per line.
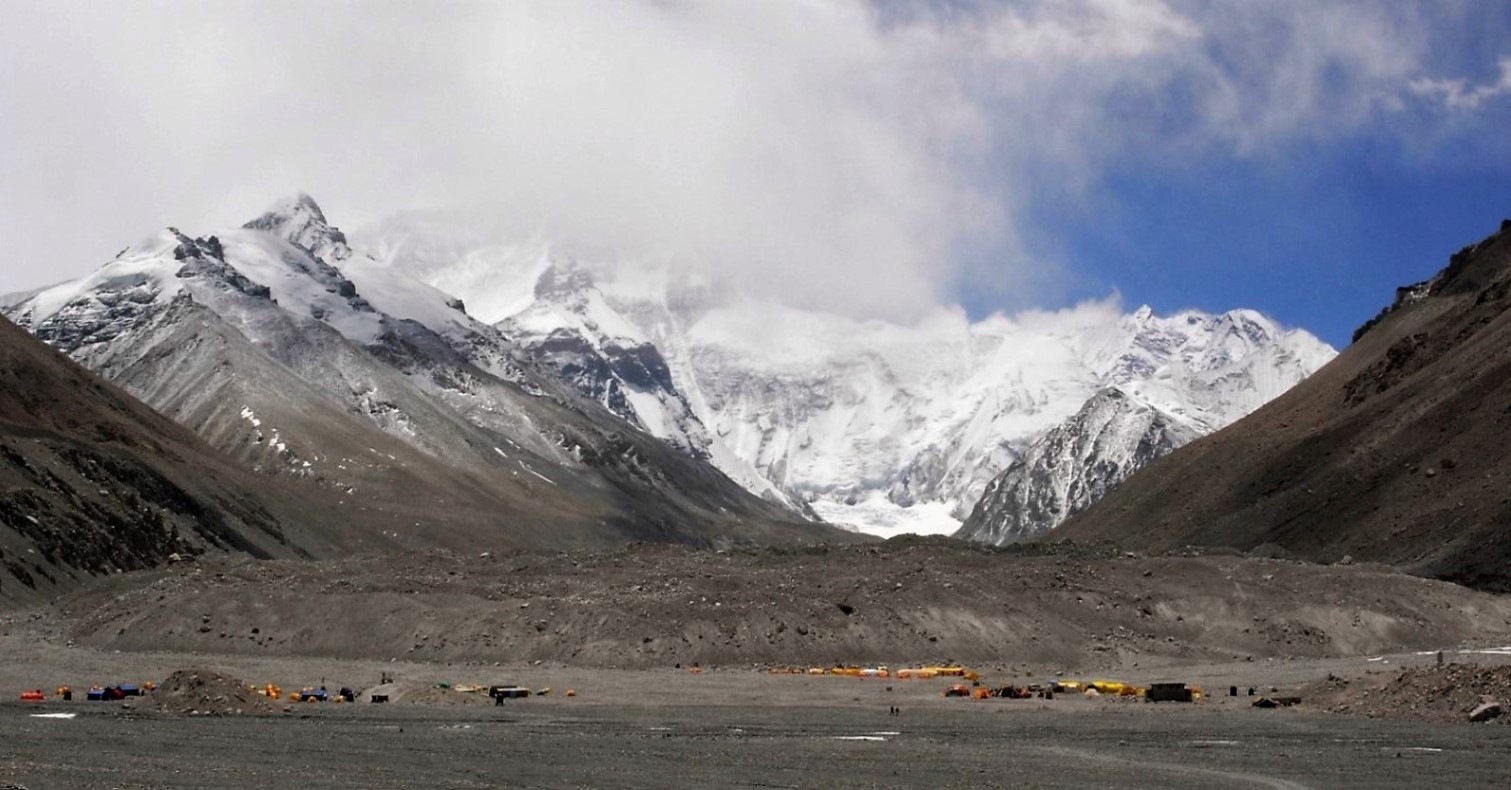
x,y
872,158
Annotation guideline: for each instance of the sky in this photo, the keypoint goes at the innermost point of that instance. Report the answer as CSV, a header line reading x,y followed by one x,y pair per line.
x,y
876,158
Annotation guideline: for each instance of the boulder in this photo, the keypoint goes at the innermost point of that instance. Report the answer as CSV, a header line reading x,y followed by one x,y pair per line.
x,y
1485,712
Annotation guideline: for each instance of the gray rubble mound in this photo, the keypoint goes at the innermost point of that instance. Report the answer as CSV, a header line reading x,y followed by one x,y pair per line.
x,y
206,692
1452,693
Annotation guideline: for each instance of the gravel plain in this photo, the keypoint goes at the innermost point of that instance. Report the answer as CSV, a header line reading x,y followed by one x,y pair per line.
x,y
721,727
626,631
968,744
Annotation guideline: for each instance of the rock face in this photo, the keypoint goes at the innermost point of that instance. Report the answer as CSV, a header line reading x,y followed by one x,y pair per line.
x,y
1074,465
883,426
1397,451
308,361
571,329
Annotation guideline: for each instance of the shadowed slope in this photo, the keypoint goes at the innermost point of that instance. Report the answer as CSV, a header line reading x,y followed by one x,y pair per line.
x,y
92,481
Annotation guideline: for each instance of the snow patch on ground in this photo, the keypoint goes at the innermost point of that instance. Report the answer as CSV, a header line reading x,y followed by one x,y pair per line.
x,y
649,409
527,468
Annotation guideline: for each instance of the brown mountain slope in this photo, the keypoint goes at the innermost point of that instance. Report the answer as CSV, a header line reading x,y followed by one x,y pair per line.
x,y
1397,451
92,481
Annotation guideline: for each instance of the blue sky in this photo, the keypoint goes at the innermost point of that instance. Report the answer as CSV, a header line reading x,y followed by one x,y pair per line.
x,y
868,157
1314,221
1318,238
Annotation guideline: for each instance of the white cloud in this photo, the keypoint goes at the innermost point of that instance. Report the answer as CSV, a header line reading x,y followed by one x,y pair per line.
x,y
823,152
1457,96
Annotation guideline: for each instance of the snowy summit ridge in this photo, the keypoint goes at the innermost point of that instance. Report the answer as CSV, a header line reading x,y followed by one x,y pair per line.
x,y
884,427
1075,464
285,347
299,221
613,376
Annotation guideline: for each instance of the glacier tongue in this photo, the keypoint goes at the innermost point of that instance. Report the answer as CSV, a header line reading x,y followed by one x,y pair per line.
x,y
876,425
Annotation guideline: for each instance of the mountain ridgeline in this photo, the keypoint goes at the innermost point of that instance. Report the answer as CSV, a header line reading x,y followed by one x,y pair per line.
x,y
93,482
1398,451
447,392
884,427
1114,435
306,361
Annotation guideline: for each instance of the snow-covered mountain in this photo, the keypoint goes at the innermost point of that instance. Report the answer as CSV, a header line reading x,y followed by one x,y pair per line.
x,y
885,427
1113,435
281,345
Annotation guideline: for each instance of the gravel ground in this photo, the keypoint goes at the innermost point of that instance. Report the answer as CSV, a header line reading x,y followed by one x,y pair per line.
x,y
1019,743
1448,693
641,717
720,727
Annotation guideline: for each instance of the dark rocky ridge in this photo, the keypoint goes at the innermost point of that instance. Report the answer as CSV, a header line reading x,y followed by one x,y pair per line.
x,y
1398,451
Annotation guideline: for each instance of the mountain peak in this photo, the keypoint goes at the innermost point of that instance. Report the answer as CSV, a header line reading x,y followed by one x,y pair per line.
x,y
301,201
296,206
298,220
1248,326
563,279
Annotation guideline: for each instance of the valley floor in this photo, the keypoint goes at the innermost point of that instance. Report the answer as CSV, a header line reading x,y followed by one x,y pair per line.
x,y
624,631
998,744
721,727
